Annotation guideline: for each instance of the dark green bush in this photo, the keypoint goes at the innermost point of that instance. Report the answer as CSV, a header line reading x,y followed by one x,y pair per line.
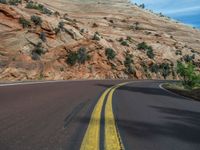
x,y
149,49
128,63
82,55
154,68
14,2
32,5
128,60
40,7
46,11
124,43
72,58
150,53
36,20
25,23
165,70
142,46
61,25
43,36
37,51
110,53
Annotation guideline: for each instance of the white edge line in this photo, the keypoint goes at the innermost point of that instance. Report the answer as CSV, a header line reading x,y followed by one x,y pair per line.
x,y
39,82
178,95
43,82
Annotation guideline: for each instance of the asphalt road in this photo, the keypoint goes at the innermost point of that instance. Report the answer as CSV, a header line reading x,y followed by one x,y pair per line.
x,y
71,115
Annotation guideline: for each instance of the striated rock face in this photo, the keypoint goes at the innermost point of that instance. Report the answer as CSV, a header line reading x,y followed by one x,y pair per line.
x,y
40,51
8,18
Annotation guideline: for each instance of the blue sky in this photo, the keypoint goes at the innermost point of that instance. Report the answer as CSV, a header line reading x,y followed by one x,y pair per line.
x,y
186,11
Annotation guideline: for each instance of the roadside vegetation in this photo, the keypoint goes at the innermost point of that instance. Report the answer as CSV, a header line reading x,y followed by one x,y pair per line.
x,y
40,7
80,56
36,20
128,63
10,2
37,51
190,81
25,23
148,49
110,53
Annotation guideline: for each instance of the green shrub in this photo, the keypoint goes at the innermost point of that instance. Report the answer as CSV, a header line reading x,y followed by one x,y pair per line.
x,y
124,43
25,23
82,55
150,53
149,49
46,11
61,25
43,36
142,46
165,70
40,7
32,5
72,58
128,63
154,68
190,78
37,51
14,2
110,53
36,20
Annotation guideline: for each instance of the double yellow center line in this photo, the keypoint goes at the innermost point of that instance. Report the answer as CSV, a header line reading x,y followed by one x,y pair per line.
x,y
112,139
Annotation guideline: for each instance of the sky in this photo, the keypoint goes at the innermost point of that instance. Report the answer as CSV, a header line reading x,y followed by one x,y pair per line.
x,y
186,11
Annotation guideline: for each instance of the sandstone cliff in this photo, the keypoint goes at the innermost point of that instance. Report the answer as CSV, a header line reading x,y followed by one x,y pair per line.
x,y
145,45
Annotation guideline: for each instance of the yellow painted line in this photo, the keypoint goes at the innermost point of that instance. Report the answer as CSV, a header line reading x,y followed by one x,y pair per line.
x,y
91,140
92,135
112,138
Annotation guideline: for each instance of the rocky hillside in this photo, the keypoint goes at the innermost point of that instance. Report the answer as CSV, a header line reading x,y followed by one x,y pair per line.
x,y
90,39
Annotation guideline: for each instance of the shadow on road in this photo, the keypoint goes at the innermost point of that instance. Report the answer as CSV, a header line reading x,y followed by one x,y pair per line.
x,y
183,125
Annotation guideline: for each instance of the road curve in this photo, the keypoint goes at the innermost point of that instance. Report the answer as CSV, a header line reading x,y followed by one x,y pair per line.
x,y
138,115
